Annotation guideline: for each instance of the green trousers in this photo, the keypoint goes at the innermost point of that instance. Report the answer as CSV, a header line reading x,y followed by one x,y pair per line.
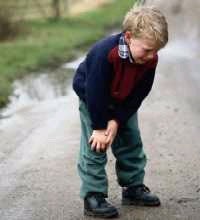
x,y
127,149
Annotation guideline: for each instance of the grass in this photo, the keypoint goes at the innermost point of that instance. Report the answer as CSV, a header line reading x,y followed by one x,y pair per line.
x,y
48,43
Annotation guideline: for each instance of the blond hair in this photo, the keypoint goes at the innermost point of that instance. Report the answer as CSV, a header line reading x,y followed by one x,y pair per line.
x,y
147,22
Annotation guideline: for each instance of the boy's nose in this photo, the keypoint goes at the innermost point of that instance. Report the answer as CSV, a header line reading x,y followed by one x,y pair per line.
x,y
150,56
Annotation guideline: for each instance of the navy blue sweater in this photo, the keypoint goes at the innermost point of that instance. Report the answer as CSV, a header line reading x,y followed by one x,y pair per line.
x,y
112,87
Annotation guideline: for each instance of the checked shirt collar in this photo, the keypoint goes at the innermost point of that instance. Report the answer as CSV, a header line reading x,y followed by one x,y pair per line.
x,y
123,49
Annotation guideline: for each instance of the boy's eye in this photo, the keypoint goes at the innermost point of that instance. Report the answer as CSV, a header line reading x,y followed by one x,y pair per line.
x,y
148,50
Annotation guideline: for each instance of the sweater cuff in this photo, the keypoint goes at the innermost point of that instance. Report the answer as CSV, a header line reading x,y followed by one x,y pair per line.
x,y
99,125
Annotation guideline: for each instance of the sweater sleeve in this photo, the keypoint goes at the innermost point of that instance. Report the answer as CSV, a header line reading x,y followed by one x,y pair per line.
x,y
130,106
97,86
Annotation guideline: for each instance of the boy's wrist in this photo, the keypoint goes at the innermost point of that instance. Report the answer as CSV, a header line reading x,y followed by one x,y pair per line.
x,y
115,121
99,131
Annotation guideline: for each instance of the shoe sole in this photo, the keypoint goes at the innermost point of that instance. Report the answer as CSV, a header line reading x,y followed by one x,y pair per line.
x,y
108,215
140,203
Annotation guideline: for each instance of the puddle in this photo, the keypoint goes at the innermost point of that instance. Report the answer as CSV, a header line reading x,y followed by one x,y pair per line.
x,y
40,87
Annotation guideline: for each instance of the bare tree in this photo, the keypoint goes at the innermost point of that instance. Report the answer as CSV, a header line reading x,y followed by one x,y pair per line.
x,y
56,8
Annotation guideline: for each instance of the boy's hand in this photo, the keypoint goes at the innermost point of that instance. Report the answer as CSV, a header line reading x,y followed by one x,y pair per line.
x,y
111,131
98,140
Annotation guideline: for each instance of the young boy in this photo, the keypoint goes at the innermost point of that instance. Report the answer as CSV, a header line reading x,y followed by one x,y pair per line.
x,y
115,77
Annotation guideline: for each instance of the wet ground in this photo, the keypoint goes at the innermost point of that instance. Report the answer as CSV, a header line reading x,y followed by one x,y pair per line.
x,y
39,133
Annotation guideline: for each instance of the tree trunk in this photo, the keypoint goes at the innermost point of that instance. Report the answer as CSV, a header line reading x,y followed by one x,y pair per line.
x,y
56,8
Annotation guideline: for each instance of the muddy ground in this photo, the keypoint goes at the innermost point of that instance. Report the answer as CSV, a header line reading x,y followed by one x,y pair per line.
x,y
40,142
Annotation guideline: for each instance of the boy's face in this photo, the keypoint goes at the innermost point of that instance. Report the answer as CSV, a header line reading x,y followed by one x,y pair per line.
x,y
142,50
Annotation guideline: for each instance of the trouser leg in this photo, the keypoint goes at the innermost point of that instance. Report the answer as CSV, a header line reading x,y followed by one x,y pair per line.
x,y
130,157
91,165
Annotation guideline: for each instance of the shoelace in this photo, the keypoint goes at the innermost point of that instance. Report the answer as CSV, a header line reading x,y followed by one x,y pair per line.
x,y
140,188
144,188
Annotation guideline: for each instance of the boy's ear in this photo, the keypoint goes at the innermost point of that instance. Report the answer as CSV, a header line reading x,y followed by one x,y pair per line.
x,y
127,36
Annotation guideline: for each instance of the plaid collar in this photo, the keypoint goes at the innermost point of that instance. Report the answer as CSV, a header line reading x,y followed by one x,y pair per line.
x,y
123,50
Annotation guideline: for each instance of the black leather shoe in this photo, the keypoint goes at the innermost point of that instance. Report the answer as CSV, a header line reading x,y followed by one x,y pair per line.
x,y
95,205
139,195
